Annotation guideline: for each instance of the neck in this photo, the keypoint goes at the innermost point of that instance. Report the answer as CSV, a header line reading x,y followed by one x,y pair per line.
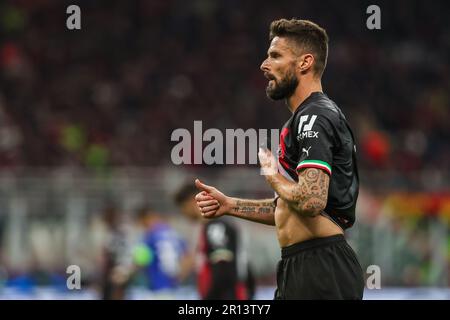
x,y
303,91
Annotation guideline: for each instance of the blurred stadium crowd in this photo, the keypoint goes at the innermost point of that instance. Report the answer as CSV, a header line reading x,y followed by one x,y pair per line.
x,y
110,95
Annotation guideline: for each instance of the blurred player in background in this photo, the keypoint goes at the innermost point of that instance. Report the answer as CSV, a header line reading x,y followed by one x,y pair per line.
x,y
315,177
223,271
162,253
116,257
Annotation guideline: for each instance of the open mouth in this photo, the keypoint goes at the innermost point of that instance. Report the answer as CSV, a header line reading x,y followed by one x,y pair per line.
x,y
269,76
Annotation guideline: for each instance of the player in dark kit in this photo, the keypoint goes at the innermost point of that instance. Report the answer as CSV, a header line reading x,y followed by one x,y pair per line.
x,y
315,178
116,257
223,272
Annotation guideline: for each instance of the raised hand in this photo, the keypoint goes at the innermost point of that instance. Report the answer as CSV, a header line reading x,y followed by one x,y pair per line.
x,y
268,162
212,202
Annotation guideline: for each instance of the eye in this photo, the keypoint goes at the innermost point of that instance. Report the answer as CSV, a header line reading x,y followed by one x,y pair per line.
x,y
275,55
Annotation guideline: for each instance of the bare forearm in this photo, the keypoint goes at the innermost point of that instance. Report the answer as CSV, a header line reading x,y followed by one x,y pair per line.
x,y
261,211
283,187
308,196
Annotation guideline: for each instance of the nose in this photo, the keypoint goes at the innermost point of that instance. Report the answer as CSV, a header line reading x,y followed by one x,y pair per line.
x,y
264,66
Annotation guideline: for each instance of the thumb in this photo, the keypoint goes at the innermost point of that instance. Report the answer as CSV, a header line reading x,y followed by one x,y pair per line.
x,y
202,186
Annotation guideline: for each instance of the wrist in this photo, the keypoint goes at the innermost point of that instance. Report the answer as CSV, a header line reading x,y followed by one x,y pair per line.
x,y
272,179
230,203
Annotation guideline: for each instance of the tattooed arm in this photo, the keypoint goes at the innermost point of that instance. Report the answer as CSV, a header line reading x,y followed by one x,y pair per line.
x,y
307,197
261,211
213,203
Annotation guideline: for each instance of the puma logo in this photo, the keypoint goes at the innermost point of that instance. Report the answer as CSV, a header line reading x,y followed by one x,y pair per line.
x,y
306,151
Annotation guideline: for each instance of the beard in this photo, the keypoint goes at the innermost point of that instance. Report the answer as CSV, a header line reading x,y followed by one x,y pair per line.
x,y
284,88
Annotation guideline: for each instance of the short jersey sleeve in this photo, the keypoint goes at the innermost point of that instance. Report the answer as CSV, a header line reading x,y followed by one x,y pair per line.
x,y
315,135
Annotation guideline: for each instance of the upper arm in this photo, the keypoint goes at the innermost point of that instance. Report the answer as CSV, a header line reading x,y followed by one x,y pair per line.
x,y
317,142
313,194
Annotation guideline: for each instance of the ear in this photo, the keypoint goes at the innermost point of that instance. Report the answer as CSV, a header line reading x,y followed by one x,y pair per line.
x,y
305,62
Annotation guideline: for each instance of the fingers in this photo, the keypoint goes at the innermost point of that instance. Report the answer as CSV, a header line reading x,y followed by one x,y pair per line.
x,y
210,208
207,204
260,153
264,152
203,204
203,187
209,214
203,196
267,161
264,155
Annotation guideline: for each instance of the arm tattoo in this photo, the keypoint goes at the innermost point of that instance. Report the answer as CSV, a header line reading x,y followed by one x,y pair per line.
x,y
252,206
309,196
311,193
262,211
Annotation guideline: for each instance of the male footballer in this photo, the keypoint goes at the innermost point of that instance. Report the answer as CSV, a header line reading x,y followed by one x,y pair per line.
x,y
315,177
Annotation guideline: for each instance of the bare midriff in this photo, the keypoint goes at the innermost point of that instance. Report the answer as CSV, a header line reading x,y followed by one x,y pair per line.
x,y
293,228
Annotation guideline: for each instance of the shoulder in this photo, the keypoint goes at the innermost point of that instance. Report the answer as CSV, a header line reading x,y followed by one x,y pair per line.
x,y
319,112
320,106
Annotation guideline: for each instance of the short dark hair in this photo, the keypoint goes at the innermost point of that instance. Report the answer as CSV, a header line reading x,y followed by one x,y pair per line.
x,y
144,211
185,192
307,35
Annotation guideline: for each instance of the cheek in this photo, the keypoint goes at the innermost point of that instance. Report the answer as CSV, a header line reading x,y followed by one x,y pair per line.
x,y
279,71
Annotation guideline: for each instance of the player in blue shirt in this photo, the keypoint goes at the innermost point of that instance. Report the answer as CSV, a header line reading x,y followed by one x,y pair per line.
x,y
162,253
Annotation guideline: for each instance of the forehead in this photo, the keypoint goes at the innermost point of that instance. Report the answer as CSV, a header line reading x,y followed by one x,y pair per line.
x,y
280,44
